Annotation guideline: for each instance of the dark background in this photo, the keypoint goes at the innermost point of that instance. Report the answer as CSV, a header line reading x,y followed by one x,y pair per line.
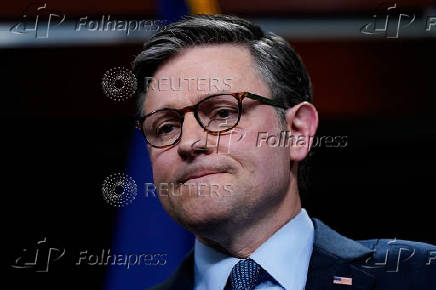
x,y
61,136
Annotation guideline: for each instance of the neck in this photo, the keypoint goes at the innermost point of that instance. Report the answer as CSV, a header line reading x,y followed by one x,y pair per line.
x,y
241,240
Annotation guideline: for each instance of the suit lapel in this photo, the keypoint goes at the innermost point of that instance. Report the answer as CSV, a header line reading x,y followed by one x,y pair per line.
x,y
183,278
335,255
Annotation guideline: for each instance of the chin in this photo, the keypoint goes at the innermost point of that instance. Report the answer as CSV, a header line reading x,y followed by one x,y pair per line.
x,y
202,213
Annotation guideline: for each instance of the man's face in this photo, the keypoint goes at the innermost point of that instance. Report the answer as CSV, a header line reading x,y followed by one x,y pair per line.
x,y
236,181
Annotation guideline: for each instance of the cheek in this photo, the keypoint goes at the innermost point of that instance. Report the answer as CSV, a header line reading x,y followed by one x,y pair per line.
x,y
161,161
267,160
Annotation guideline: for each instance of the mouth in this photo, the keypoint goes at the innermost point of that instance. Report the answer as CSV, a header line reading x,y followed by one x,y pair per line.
x,y
198,175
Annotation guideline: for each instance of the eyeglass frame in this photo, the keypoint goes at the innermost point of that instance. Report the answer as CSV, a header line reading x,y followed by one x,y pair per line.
x,y
194,108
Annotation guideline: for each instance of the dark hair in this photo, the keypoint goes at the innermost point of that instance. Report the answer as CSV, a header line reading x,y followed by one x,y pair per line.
x,y
278,63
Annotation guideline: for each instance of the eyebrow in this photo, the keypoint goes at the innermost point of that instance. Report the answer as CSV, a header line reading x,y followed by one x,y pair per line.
x,y
199,99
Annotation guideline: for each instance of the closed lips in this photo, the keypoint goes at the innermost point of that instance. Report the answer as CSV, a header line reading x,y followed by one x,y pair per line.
x,y
199,174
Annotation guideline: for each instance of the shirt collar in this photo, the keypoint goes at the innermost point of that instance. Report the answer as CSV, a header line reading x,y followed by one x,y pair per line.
x,y
285,256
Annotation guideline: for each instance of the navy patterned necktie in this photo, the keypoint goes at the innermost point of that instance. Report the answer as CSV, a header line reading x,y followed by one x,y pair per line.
x,y
245,275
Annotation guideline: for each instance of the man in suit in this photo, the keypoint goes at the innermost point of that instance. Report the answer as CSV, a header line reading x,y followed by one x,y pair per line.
x,y
227,112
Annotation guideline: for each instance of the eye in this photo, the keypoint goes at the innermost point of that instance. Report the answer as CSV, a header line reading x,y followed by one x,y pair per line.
x,y
223,113
164,129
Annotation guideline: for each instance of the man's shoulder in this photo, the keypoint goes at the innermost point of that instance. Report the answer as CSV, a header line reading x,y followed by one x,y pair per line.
x,y
331,241
403,247
407,263
182,278
379,263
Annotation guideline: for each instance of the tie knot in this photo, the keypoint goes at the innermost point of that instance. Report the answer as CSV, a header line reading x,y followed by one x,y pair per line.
x,y
246,274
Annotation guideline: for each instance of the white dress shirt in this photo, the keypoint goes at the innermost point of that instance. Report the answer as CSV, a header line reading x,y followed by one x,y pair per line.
x,y
285,256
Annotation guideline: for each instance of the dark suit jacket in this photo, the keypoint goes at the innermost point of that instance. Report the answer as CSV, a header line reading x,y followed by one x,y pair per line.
x,y
372,264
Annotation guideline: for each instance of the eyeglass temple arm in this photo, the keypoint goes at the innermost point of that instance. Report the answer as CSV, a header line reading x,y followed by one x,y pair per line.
x,y
265,100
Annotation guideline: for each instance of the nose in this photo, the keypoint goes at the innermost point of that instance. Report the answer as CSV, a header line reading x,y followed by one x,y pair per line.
x,y
194,140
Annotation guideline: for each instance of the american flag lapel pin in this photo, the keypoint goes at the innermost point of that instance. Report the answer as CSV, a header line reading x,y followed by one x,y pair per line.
x,y
342,280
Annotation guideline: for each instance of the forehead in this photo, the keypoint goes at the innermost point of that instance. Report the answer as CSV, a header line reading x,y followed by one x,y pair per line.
x,y
203,70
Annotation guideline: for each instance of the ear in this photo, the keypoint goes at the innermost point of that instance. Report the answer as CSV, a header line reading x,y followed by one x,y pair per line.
x,y
302,121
